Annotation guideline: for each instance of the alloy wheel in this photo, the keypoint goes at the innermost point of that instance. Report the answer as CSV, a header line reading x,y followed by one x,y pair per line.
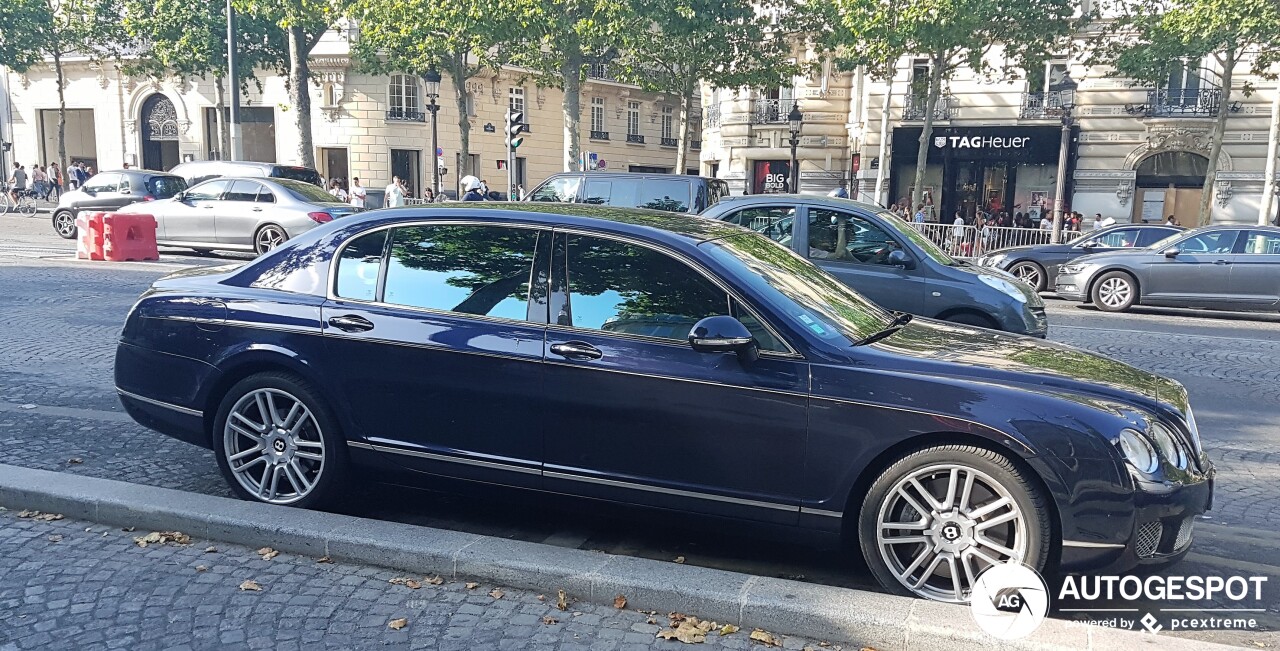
x,y
65,225
941,526
1028,273
273,446
1115,292
268,238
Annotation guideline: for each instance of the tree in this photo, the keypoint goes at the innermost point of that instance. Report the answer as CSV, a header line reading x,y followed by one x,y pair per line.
x,y
561,38
1148,39
951,33
39,30
725,43
303,22
191,40
459,37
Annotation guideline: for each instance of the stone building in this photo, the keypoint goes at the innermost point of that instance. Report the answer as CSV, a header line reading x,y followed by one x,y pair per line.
x,y
368,126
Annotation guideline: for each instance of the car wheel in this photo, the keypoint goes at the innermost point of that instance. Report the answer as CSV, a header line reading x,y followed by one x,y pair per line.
x,y
1115,291
64,224
938,518
1030,273
276,442
268,237
973,319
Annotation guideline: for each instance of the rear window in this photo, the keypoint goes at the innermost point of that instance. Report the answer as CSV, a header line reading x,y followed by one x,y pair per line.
x,y
304,174
306,192
163,187
669,195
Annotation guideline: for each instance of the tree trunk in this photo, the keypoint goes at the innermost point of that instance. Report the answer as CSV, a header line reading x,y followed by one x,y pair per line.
x,y
300,94
62,112
1269,180
458,71
883,170
571,72
220,106
922,153
682,137
1215,135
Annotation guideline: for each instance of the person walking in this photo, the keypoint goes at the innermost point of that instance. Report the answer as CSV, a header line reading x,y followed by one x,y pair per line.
x,y
39,180
358,193
919,218
1097,221
394,193
335,189
55,182
17,182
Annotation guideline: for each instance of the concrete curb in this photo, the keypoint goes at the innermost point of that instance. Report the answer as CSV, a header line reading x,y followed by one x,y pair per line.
x,y
881,621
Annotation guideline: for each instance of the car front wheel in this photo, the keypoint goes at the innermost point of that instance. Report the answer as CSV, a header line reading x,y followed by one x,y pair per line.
x,y
1116,291
276,443
64,224
1030,273
935,520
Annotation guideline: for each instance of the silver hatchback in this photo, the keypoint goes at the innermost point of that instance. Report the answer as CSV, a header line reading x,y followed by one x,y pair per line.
x,y
241,214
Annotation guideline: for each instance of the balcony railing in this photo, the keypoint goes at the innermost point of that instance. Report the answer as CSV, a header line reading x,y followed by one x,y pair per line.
x,y
770,111
1053,104
711,116
600,71
599,135
636,138
668,142
695,144
401,115
1175,103
913,108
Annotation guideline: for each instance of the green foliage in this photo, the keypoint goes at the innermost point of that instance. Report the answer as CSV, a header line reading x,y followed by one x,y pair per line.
x,y
37,29
314,17
551,35
191,39
419,35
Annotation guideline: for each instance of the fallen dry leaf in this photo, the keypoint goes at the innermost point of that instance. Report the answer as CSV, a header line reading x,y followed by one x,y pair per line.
x,y
397,624
42,517
201,568
542,597
496,593
688,632
728,629
162,537
680,559
549,620
472,585
764,637
675,618
399,580
324,559
74,460
55,538
651,620
250,584
267,553
619,602
432,580
562,601
211,550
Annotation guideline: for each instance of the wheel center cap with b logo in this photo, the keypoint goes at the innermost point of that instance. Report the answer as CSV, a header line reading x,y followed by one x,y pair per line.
x,y
279,445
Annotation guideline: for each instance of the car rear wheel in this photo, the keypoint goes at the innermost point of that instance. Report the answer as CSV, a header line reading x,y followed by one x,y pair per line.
x,y
277,443
935,520
268,237
1116,291
1030,273
64,224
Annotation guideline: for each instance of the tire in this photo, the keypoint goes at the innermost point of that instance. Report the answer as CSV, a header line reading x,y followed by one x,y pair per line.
x,y
64,224
973,319
308,468
268,237
1114,291
27,207
948,536
1030,273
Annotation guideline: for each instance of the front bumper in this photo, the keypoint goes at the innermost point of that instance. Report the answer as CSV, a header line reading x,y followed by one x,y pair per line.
x,y
1072,287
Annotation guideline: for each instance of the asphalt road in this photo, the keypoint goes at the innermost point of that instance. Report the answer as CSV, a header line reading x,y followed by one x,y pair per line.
x,y
59,319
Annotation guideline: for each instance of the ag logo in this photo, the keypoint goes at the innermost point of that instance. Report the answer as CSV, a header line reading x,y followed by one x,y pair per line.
x,y
1009,601
939,141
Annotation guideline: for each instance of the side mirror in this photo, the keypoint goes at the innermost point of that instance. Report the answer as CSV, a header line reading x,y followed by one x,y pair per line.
x,y
899,258
1089,245
722,334
89,191
180,197
1171,253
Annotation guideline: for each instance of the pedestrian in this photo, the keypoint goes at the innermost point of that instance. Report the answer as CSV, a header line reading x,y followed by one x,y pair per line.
x,y
474,191
394,193
484,187
919,218
1097,221
39,181
358,193
840,192
335,189
1046,222
957,231
55,181
17,181
126,166
1172,221
428,196
88,172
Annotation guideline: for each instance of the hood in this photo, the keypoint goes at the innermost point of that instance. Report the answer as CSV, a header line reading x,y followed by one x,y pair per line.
x,y
947,349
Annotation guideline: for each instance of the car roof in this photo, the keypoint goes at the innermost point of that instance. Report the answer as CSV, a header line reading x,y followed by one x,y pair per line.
x,y
809,199
633,175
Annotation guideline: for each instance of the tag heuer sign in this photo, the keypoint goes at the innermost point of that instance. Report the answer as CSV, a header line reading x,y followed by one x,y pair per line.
x,y
939,141
981,142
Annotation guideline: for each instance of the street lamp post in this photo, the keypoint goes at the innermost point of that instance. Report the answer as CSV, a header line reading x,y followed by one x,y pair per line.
x,y
796,120
432,79
1060,194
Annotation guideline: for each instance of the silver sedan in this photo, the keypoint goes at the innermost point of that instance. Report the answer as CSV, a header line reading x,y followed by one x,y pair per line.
x,y
241,214
1222,267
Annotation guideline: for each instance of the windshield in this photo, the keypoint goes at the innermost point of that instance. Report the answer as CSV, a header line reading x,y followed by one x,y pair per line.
x,y
925,244
306,192
811,298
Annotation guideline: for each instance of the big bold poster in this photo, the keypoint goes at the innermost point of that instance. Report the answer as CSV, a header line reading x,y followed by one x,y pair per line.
x,y
771,177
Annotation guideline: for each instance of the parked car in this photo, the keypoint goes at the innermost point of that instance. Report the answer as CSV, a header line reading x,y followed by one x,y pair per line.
x,y
1038,265
203,170
1222,267
667,192
107,191
665,362
872,251
241,214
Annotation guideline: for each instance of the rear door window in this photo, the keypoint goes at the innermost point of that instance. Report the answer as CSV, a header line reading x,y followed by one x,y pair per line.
x,y
359,266
563,190
164,187
243,191
1119,239
668,195
1262,243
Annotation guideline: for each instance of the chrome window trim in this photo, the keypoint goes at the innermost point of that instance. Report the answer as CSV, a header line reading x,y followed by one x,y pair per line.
x,y
795,394
160,403
670,491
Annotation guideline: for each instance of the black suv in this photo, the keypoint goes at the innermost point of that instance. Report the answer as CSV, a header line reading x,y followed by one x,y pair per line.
x,y
669,192
107,191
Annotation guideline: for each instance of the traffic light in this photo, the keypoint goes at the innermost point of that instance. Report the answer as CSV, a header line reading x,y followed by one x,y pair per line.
x,y
515,126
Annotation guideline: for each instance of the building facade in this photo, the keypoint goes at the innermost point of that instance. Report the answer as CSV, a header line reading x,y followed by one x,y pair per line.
x,y
366,126
1133,153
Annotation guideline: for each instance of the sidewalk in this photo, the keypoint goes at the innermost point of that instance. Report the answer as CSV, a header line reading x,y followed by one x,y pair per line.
x,y
75,584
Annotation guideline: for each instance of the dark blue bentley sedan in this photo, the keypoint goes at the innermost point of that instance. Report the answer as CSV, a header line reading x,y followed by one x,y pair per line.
x,y
669,362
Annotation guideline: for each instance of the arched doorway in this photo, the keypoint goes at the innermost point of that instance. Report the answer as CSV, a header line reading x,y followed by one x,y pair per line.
x,y
159,133
1170,183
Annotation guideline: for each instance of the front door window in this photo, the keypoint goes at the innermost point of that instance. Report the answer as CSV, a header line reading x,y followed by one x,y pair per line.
x,y
840,236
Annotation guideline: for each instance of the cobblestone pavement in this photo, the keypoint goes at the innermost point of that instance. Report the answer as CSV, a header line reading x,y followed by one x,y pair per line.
x,y
69,583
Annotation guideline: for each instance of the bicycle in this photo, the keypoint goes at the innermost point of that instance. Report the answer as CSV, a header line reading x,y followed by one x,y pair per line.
x,y
26,204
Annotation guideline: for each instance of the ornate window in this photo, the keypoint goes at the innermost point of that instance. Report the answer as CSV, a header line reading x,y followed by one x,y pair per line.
x,y
159,119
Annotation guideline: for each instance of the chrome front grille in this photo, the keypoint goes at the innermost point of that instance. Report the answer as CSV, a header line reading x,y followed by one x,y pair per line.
x,y
1184,535
1148,538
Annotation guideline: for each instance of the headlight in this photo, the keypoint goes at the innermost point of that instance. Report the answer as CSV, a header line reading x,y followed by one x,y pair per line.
x,y
1070,269
1167,442
1137,451
994,260
1004,286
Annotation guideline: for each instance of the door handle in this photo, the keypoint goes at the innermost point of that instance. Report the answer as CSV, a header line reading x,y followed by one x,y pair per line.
x,y
257,209
351,323
1221,262
576,350
207,207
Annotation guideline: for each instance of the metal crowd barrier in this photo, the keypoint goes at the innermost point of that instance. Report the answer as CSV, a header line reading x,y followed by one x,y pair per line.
x,y
969,242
